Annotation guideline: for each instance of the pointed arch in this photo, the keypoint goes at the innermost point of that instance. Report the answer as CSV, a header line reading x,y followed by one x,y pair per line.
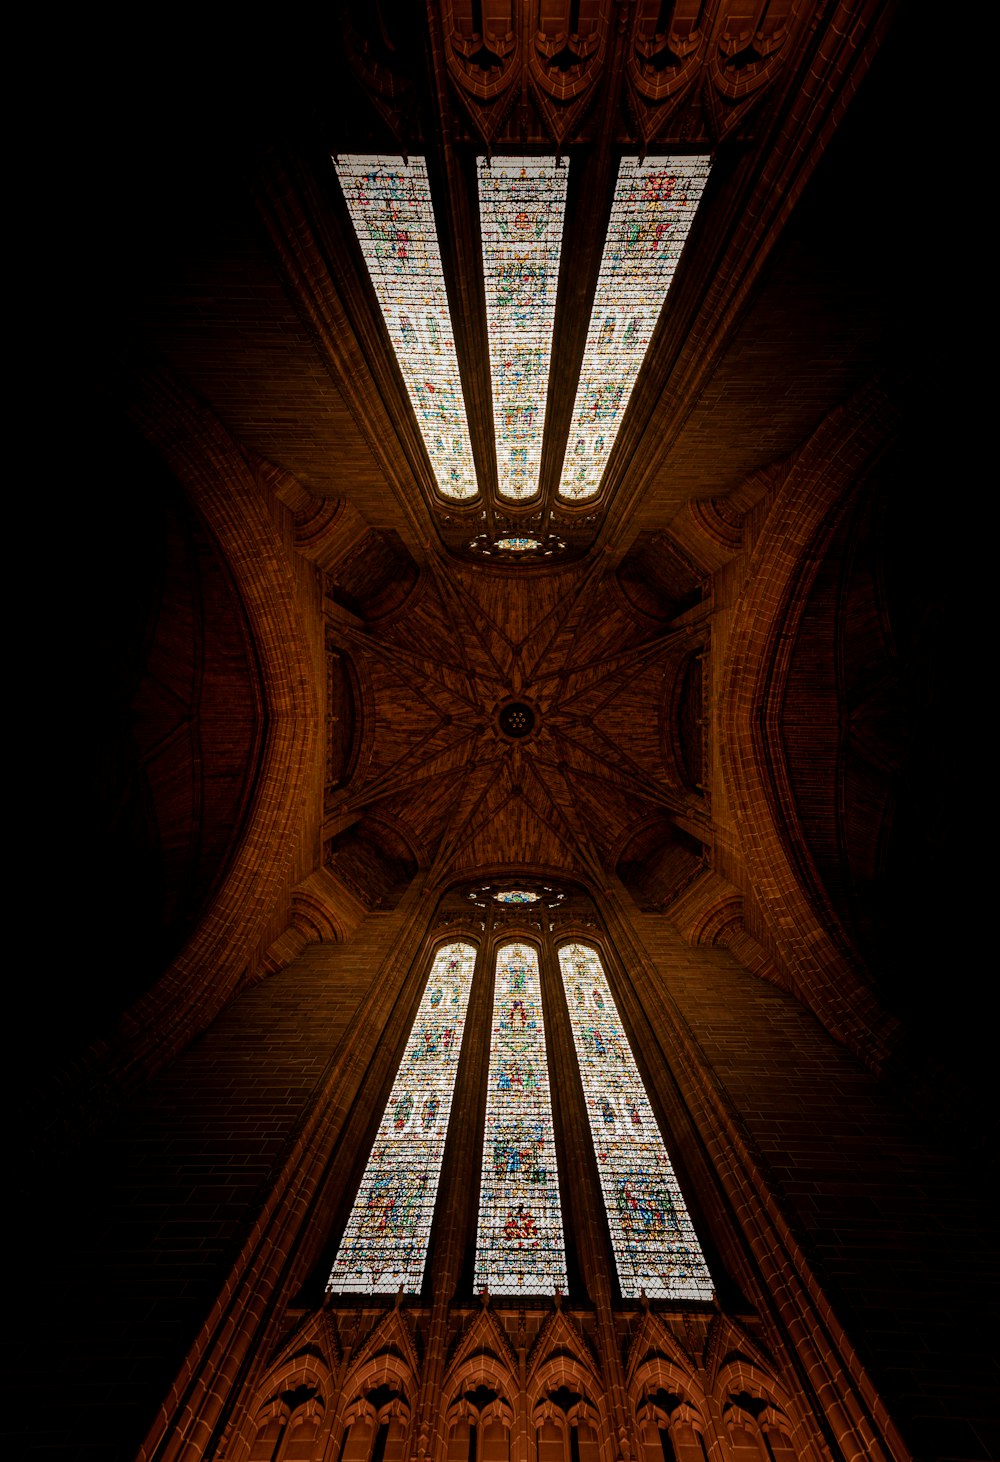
x,y
750,1397
295,1398
657,1361
561,1358
483,1357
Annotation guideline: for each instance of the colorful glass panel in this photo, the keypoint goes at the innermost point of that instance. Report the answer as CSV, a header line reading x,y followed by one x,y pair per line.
x,y
522,203
517,545
385,1242
516,896
390,205
656,1248
653,209
520,1247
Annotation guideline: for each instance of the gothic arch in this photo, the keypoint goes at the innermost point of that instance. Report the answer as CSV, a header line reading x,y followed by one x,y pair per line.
x,y
484,1357
298,1391
821,968
228,493
743,1378
657,1360
381,1386
560,1357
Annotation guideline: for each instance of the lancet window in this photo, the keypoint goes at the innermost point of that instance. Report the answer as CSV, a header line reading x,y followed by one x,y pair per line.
x,y
520,1247
387,1235
655,1246
389,199
652,213
522,202
522,213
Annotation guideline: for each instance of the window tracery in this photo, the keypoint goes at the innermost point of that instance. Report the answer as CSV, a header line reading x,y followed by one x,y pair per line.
x,y
388,1232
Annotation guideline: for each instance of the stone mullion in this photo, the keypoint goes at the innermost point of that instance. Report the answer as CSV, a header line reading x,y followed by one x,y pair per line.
x,y
462,259
580,1178
520,1446
455,1209
715,1434
587,211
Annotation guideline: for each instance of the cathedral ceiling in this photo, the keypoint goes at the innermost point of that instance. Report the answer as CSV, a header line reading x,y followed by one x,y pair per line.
x,y
595,753
244,271
239,289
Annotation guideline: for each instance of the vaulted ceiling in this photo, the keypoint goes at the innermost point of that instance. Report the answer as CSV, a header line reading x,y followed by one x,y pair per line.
x,y
362,634
608,750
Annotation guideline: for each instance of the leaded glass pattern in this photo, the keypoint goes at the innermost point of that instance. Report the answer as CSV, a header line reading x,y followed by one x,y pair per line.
x,y
653,209
390,205
385,1242
522,204
515,896
520,1248
518,545
655,1245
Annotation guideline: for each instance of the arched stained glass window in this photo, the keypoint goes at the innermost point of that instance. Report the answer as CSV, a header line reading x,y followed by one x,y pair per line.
x,y
652,213
520,1248
522,201
654,1242
389,199
385,1242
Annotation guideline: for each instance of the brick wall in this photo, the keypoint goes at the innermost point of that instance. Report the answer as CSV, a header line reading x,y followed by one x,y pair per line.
x,y
895,1225
122,1255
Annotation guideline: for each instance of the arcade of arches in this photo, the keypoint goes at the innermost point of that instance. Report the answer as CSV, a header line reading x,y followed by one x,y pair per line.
x,y
326,716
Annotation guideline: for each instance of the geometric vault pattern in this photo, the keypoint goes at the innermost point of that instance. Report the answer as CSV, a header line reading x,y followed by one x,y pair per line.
x,y
437,769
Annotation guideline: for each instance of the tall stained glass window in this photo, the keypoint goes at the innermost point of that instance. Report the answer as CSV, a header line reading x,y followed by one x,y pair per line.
x,y
522,202
653,209
385,1242
390,204
655,1245
520,1247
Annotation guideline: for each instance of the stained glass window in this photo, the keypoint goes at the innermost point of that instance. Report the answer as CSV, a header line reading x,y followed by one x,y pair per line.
x,y
390,204
653,209
385,1242
516,896
522,202
655,1245
520,1247
517,545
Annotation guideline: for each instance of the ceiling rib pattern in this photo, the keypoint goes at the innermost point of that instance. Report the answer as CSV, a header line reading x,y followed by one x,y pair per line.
x,y
560,796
